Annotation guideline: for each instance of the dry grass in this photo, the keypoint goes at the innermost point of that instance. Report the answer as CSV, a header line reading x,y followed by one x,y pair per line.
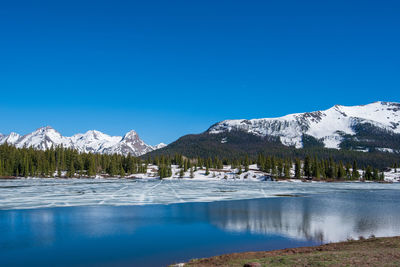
x,y
365,252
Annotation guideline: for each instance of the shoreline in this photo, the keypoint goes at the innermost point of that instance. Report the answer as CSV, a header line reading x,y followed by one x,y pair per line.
x,y
374,251
278,180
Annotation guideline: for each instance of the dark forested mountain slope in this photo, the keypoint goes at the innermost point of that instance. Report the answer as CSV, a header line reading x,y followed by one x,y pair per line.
x,y
369,133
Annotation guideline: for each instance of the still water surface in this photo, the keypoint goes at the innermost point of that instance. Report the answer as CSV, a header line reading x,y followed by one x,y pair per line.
x,y
158,234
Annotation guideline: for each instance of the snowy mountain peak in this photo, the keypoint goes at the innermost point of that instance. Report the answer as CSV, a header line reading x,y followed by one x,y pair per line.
x,y
14,135
131,135
10,139
92,141
95,135
45,128
159,146
328,126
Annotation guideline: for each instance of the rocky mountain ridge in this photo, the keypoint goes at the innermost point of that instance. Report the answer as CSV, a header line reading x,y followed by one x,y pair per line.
x,y
331,127
92,141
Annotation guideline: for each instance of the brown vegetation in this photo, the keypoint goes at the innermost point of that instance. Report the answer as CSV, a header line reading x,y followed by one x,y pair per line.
x,y
364,252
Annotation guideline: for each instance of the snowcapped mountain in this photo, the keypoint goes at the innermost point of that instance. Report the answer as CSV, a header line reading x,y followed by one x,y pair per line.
x,y
91,141
354,127
130,142
159,146
11,138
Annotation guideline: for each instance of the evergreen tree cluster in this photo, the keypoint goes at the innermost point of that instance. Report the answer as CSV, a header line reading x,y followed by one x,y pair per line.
x,y
65,162
239,144
309,168
312,167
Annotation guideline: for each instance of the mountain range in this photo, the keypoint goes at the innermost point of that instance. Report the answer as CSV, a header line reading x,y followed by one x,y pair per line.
x,y
331,127
373,127
91,141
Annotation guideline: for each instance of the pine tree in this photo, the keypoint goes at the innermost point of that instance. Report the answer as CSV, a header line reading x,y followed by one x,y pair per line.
x,y
315,169
267,165
181,173
191,173
260,161
297,169
355,175
368,173
169,171
306,167
279,168
273,171
273,166
207,170
71,169
26,168
340,171
162,172
185,165
246,163
348,173
122,172
287,168
375,174
91,167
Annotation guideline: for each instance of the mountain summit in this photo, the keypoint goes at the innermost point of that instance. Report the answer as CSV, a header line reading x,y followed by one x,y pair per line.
x,y
331,127
91,141
373,127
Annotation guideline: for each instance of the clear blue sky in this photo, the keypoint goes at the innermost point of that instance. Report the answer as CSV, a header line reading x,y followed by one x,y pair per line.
x,y
168,68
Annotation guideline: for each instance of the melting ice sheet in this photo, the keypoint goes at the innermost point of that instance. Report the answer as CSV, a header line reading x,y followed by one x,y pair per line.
x,y
39,193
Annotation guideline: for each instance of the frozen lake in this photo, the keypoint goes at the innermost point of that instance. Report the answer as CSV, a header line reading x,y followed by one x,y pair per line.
x,y
40,193
126,222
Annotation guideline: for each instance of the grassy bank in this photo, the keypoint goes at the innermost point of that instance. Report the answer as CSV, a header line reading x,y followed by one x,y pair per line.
x,y
365,252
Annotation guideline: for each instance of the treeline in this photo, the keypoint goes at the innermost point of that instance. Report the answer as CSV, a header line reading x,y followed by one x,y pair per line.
x,y
239,144
65,162
310,167
371,137
316,168
164,164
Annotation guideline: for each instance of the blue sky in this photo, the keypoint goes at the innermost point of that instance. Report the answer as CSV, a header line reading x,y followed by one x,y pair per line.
x,y
169,68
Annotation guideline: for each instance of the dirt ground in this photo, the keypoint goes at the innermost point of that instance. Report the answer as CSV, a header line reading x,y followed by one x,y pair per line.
x,y
365,252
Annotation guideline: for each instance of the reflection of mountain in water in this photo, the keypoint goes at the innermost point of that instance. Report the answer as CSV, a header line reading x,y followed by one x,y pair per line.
x,y
324,219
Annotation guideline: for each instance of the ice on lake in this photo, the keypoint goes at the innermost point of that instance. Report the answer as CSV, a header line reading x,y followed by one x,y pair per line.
x,y
40,193
111,221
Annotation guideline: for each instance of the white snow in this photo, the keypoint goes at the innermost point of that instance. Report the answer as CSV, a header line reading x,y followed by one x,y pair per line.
x,y
384,113
159,146
392,175
10,139
91,141
50,192
388,150
94,141
227,173
327,125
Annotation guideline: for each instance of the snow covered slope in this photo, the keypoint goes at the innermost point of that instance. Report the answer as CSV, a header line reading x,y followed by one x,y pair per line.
x,y
331,126
91,141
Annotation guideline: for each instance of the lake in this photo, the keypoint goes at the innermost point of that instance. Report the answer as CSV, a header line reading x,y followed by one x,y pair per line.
x,y
51,222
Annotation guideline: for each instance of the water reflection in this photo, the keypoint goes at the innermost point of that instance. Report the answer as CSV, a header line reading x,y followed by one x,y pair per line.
x,y
320,218
156,235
